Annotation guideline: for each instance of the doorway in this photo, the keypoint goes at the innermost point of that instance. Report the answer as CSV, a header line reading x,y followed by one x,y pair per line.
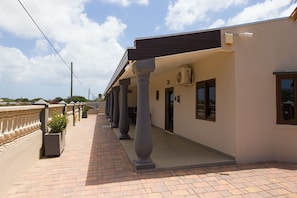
x,y
169,109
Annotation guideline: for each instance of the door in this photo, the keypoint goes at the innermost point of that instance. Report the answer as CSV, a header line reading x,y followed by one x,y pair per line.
x,y
169,109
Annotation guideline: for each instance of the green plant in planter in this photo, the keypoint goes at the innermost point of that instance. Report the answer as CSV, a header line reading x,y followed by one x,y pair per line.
x,y
86,108
58,123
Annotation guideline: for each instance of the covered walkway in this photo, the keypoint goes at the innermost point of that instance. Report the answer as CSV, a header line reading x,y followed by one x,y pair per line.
x,y
172,151
94,164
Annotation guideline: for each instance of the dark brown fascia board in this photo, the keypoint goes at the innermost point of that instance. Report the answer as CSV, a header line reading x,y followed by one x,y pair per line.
x,y
147,48
284,72
168,45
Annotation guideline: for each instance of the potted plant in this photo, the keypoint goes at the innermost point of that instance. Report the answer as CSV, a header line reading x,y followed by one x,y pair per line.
x,y
54,140
85,112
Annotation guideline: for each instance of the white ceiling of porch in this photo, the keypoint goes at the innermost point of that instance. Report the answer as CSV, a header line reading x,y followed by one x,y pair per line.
x,y
166,63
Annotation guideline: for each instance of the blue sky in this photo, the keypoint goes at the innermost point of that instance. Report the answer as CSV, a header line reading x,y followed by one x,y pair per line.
x,y
93,34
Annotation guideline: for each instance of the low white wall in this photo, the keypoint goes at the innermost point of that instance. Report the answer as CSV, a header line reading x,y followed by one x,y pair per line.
x,y
17,157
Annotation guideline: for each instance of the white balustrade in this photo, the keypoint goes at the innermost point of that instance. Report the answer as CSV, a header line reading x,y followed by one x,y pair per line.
x,y
18,121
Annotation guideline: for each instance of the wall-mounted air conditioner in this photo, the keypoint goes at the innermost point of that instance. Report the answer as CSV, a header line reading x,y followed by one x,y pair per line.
x,y
184,76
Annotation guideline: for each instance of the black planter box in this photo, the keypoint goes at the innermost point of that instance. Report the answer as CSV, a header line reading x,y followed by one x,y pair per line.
x,y
85,114
54,143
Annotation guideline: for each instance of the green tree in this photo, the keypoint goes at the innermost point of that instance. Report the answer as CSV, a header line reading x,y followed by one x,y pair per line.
x,y
76,99
22,100
57,99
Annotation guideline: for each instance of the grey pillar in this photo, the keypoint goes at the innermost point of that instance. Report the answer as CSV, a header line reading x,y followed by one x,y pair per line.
x,y
116,116
44,114
110,107
107,106
143,134
124,119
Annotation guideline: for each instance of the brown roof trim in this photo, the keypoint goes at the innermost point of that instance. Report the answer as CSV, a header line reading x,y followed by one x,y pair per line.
x,y
284,72
147,48
169,45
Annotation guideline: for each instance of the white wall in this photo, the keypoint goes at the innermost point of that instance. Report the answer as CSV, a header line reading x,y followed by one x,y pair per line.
x,y
219,134
245,125
132,96
157,107
272,48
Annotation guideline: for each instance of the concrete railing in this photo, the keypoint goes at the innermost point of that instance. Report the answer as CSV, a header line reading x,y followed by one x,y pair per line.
x,y
18,121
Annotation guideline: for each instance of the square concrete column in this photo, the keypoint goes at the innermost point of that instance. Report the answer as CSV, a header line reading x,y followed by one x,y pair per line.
x,y
143,132
124,118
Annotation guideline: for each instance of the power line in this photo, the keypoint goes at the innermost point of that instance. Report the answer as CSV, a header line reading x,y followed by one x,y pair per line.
x,y
50,43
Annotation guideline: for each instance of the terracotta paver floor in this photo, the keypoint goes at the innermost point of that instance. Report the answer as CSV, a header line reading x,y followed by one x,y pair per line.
x,y
94,164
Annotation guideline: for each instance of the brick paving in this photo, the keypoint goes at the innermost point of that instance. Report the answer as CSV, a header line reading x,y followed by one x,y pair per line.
x,y
94,164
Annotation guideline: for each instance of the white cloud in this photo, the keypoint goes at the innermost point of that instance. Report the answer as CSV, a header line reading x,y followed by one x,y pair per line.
x,y
182,13
92,47
218,23
126,3
41,46
261,11
14,19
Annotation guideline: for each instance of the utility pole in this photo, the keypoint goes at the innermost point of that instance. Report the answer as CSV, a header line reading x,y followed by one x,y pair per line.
x,y
71,86
89,94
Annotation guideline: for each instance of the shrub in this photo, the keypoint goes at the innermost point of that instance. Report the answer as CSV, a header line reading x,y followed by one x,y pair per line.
x,y
58,123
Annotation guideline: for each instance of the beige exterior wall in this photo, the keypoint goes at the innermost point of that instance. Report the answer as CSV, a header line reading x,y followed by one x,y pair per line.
x,y
245,125
219,135
132,96
157,107
271,49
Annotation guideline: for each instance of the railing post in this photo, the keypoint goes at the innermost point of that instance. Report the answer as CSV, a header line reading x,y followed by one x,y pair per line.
x,y
1,131
73,112
44,114
78,105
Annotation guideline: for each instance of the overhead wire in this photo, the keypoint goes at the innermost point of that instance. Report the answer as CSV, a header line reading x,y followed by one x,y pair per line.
x,y
36,12
41,31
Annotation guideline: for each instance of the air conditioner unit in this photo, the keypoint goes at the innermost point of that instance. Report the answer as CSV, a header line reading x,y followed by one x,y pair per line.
x,y
184,76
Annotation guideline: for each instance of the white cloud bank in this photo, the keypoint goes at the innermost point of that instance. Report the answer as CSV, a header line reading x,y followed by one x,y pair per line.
x,y
182,13
93,48
126,3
